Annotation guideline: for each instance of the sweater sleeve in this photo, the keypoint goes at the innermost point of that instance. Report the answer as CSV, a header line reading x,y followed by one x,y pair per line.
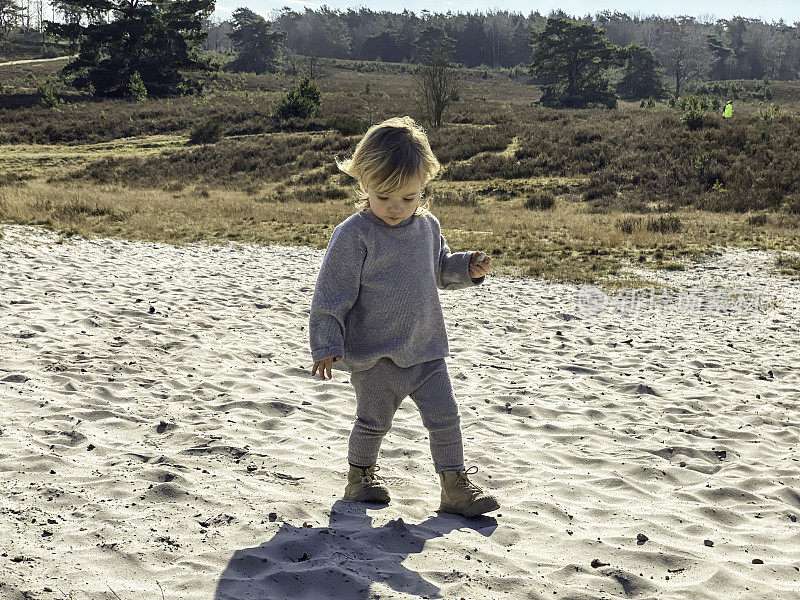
x,y
454,268
335,293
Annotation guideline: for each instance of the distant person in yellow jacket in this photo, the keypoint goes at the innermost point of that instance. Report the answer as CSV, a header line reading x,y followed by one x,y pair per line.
x,y
728,112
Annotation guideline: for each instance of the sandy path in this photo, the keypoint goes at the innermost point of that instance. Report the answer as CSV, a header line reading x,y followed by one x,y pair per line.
x,y
35,60
161,432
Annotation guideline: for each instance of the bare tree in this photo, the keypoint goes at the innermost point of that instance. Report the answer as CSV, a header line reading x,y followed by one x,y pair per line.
x,y
683,50
439,83
39,7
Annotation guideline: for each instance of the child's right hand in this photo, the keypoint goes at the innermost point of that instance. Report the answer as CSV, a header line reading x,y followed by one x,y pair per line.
x,y
324,365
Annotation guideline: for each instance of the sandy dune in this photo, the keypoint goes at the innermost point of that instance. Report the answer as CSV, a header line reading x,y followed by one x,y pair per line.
x,y
161,436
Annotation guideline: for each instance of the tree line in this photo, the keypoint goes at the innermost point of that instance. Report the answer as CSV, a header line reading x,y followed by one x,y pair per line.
x,y
737,48
140,47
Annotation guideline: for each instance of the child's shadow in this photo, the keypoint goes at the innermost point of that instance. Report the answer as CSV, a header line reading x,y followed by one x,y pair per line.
x,y
339,561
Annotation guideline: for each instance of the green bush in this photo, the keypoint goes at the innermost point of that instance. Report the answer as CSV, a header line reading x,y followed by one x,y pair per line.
x,y
769,114
694,111
207,132
695,101
136,88
47,94
301,101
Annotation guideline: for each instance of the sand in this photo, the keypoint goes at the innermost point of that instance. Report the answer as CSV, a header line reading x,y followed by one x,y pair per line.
x,y
161,436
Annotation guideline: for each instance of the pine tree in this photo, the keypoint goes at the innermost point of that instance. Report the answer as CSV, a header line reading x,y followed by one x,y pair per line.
x,y
157,39
258,47
569,59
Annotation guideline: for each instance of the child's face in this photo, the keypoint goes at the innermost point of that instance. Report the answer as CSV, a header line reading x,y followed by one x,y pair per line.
x,y
398,205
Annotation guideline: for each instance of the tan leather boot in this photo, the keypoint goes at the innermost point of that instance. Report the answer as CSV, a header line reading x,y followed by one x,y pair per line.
x,y
461,496
363,485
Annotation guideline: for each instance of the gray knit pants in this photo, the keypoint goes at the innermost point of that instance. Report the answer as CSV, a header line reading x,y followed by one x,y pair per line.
x,y
379,392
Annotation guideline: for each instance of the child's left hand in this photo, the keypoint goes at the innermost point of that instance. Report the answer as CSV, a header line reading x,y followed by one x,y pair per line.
x,y
478,270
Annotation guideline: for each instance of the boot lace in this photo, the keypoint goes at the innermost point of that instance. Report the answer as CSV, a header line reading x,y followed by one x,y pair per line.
x,y
370,477
464,480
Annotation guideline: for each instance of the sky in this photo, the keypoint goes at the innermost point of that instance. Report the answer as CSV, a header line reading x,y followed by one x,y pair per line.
x,y
706,10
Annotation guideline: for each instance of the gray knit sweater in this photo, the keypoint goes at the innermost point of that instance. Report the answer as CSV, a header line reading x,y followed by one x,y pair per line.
x,y
376,293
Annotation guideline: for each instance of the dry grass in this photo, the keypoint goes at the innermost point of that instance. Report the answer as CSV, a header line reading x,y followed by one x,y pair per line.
x,y
566,242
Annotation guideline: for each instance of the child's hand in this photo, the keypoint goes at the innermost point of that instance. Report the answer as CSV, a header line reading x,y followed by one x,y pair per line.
x,y
480,269
324,365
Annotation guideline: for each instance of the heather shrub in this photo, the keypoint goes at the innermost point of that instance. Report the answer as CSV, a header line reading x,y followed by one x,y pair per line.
x,y
664,224
540,200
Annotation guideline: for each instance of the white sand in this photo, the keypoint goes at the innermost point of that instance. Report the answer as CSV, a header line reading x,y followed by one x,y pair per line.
x,y
157,406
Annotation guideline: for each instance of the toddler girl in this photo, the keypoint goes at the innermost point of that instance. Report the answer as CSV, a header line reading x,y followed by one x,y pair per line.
x,y
376,313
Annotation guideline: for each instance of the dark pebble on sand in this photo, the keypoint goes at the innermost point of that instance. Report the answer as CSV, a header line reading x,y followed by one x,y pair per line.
x,y
758,561
273,516
598,563
708,543
641,537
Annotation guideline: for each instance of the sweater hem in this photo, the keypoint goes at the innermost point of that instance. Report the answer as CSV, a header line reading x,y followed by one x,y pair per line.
x,y
346,365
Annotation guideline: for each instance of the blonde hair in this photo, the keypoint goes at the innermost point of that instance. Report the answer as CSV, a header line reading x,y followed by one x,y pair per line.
x,y
389,156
